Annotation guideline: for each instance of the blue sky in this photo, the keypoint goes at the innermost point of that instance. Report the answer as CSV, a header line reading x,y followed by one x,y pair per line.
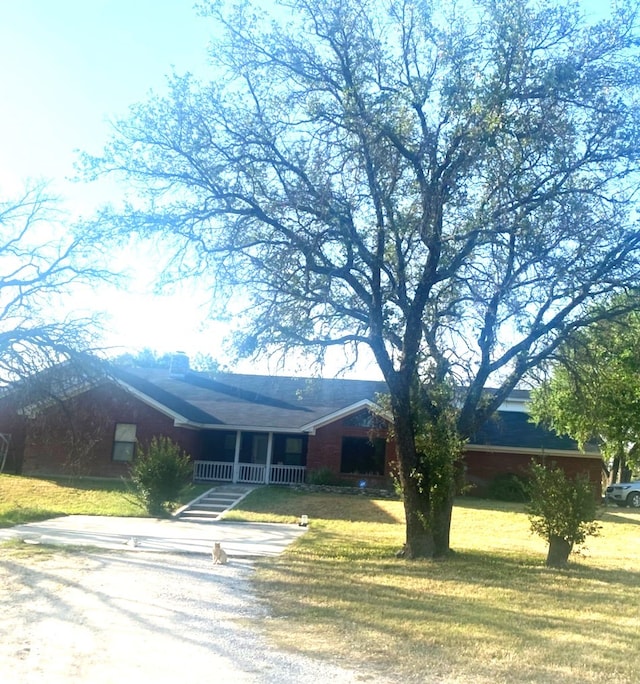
x,y
68,67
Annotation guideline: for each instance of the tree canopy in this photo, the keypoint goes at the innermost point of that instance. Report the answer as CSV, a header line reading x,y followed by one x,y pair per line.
x,y
451,185
594,391
39,264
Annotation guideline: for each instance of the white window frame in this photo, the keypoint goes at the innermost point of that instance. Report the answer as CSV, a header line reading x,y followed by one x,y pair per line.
x,y
124,442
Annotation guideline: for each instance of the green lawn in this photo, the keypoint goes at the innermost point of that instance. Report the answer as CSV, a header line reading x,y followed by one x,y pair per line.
x,y
26,499
492,613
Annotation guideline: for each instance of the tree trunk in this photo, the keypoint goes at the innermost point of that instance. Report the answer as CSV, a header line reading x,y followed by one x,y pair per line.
x,y
428,519
419,542
615,469
442,526
558,554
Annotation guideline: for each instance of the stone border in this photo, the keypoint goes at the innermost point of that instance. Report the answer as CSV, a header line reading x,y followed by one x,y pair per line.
x,y
374,492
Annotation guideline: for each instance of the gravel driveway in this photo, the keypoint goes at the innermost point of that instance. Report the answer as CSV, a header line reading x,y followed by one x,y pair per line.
x,y
105,617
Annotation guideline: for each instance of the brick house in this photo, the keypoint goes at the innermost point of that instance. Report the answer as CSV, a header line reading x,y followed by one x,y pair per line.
x,y
247,428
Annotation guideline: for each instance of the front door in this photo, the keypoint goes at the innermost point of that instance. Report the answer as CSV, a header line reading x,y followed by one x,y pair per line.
x,y
259,448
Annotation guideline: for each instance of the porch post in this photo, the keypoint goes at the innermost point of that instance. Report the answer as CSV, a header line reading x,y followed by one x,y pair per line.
x,y
236,457
267,468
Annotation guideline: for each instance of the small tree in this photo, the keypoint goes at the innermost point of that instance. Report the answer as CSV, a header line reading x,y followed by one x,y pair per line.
x,y
561,510
160,474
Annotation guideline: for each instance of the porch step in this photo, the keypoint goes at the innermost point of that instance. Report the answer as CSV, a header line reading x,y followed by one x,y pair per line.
x,y
211,505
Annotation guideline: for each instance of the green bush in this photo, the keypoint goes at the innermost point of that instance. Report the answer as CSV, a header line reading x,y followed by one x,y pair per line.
x,y
160,474
323,476
562,511
508,487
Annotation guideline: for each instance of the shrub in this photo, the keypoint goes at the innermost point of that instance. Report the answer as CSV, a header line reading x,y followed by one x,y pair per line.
x,y
562,511
508,487
160,474
323,476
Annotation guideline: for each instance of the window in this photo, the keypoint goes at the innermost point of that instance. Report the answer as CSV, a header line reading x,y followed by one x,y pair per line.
x,y
124,442
365,419
289,450
363,456
218,446
293,446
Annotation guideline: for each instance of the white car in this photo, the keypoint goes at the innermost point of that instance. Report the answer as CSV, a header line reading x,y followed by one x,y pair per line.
x,y
625,494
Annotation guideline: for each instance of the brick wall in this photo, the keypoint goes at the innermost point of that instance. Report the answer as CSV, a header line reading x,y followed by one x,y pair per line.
x,y
13,424
481,466
76,437
325,449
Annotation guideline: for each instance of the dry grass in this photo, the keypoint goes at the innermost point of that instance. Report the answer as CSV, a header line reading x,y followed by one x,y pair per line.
x,y
26,499
492,613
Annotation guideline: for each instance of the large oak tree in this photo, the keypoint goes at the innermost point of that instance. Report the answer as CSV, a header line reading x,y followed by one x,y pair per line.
x,y
451,185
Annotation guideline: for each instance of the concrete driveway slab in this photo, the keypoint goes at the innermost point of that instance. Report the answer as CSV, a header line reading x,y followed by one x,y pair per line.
x,y
240,540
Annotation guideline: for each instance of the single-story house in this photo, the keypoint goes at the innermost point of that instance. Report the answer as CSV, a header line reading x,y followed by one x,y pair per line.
x,y
246,428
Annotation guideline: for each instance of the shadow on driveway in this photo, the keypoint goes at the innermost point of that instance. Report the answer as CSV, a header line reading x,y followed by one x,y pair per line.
x,y
240,540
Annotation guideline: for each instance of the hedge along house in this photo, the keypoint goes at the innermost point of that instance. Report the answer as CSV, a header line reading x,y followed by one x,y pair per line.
x,y
248,428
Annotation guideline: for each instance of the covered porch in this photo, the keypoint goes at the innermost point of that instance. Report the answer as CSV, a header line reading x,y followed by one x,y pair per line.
x,y
252,458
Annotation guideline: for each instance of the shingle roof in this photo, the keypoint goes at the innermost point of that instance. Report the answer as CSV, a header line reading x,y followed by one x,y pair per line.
x,y
514,428
511,428
275,403
261,402
248,401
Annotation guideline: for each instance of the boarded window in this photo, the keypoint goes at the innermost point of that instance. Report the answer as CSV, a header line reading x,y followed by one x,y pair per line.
x,y
124,442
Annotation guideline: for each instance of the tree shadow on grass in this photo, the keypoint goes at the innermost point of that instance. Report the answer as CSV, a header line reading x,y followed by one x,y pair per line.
x,y
20,515
621,515
512,607
87,483
473,503
317,505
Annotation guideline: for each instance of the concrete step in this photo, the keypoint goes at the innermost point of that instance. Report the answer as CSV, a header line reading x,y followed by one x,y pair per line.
x,y
220,499
200,515
214,504
211,505
208,509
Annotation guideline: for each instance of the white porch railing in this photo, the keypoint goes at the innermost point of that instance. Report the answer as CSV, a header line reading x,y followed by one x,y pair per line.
x,y
286,474
213,470
250,473
253,473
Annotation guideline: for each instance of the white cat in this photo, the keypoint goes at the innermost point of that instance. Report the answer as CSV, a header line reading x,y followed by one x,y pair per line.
x,y
219,555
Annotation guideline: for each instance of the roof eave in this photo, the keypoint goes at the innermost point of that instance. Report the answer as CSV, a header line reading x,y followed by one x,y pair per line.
x,y
178,418
189,424
313,425
567,453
